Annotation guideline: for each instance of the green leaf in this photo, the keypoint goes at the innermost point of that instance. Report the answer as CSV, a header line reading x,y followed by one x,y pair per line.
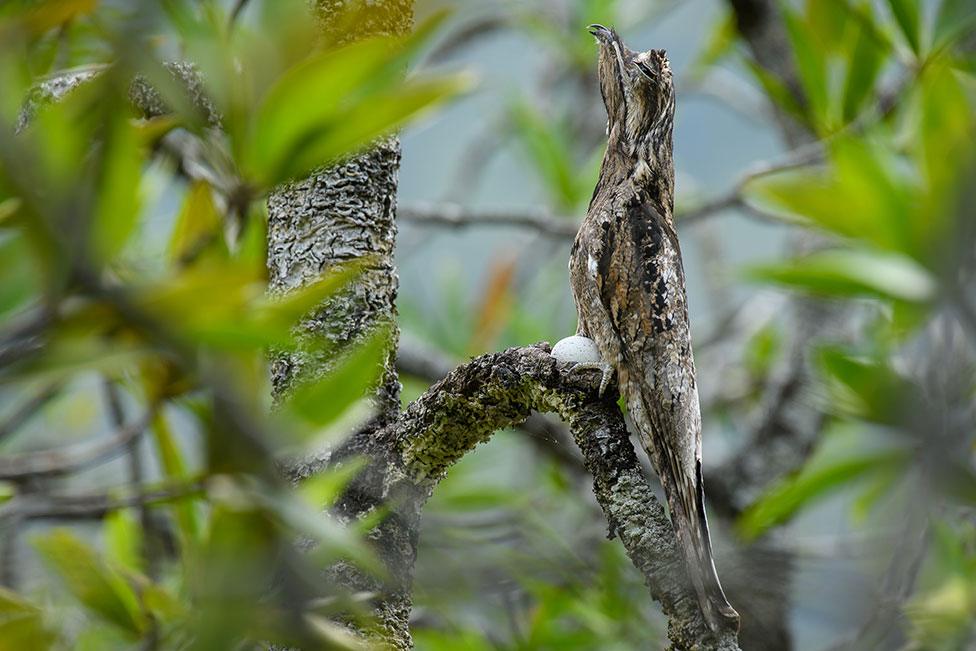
x,y
91,581
334,539
848,273
955,18
19,280
22,624
174,467
828,21
229,291
198,227
118,202
868,389
907,14
123,540
861,196
306,99
864,65
362,122
549,151
322,489
719,43
811,65
776,91
99,636
945,128
165,606
287,309
812,483
762,350
335,102
52,13
321,402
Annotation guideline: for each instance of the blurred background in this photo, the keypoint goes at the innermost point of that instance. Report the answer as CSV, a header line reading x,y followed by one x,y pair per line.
x,y
825,160
773,366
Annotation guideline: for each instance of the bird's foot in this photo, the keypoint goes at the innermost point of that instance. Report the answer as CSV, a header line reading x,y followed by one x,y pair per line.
x,y
605,369
583,354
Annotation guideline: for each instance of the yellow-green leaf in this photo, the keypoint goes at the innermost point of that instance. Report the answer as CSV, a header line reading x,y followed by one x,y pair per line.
x,y
322,401
907,14
174,467
123,540
780,503
198,227
98,587
854,273
118,202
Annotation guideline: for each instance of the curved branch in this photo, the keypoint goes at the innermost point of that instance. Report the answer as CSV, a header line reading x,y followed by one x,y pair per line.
x,y
500,390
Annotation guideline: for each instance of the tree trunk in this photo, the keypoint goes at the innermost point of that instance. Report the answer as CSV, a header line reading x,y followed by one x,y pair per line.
x,y
336,215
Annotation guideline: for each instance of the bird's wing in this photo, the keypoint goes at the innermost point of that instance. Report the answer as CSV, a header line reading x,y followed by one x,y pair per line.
x,y
641,285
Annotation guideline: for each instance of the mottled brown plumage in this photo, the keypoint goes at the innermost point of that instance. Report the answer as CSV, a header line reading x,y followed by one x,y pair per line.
x,y
629,286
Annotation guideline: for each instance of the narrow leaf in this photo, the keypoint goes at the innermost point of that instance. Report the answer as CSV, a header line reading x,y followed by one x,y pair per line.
x,y
776,91
174,467
810,63
91,581
123,540
864,65
779,504
198,226
955,18
22,624
362,122
118,202
854,273
907,14
322,401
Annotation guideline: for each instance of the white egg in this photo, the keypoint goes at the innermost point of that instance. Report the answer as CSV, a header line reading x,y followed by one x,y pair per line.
x,y
577,349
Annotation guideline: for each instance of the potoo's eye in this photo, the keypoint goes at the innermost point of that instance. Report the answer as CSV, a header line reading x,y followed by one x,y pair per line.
x,y
646,70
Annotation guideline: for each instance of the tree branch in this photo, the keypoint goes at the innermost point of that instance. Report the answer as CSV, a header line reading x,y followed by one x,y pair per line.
x,y
500,390
546,433
457,216
28,409
72,458
453,215
92,506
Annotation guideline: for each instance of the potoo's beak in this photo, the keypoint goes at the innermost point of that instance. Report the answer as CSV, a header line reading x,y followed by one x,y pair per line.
x,y
603,34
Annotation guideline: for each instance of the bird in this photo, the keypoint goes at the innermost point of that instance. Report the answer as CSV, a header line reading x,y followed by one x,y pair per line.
x,y
628,284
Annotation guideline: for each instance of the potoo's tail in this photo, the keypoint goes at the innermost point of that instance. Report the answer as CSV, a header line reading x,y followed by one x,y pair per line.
x,y
686,500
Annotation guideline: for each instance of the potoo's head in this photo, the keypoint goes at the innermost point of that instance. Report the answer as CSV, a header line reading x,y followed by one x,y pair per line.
x,y
637,89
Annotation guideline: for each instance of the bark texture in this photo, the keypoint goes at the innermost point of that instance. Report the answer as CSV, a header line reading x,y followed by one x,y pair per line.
x,y
501,390
345,213
337,215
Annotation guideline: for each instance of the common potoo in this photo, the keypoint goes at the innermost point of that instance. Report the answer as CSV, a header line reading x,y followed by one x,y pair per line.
x,y
629,287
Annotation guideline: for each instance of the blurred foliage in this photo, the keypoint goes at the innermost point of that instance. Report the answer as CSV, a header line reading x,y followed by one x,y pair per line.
x,y
894,206
114,265
887,91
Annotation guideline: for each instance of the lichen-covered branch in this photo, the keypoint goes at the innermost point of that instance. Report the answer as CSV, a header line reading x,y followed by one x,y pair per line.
x,y
501,390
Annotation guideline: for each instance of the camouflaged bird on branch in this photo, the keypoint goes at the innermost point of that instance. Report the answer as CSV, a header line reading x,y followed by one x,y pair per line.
x,y
629,286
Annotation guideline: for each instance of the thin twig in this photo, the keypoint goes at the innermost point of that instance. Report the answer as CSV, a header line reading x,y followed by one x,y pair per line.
x,y
453,215
29,408
457,216
466,35
92,506
71,459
